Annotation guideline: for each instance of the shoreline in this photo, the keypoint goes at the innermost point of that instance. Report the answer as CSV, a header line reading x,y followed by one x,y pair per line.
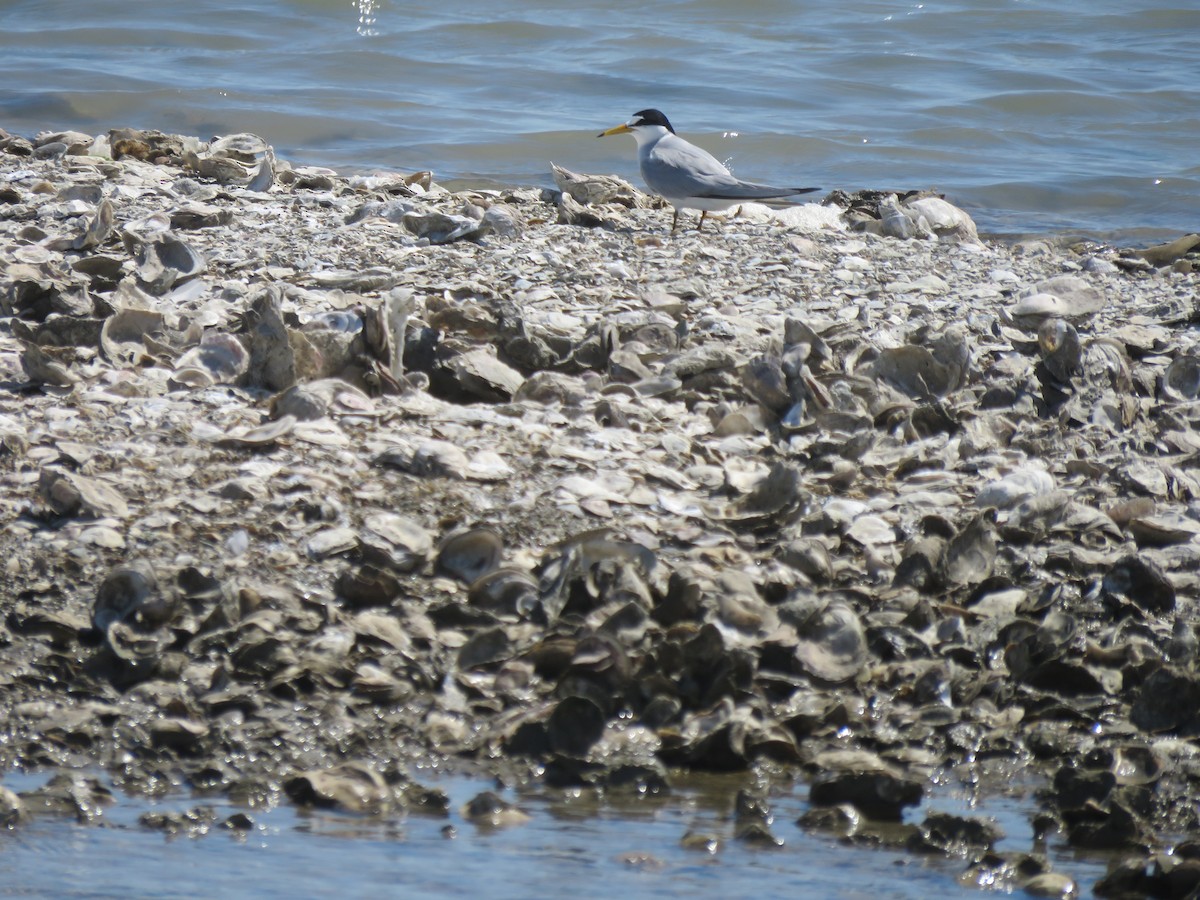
x,y
1006,226
1124,238
775,497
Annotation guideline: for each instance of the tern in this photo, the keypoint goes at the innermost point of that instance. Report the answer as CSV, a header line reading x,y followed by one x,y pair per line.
x,y
688,177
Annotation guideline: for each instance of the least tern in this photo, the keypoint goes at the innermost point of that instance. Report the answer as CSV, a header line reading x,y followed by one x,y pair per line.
x,y
688,177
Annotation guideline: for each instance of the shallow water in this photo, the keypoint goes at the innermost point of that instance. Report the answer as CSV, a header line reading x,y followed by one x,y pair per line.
x,y
1037,115
568,841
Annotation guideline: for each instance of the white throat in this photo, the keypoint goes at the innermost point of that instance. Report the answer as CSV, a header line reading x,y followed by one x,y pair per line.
x,y
648,135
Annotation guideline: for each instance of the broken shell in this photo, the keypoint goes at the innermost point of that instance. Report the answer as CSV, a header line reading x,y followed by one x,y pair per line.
x,y
70,793
575,726
470,553
1167,702
591,569
104,272
166,260
259,435
956,835
354,787
1064,297
488,810
264,176
505,590
367,586
315,400
1015,487
98,228
971,554
331,542
219,359
482,375
1163,530
192,216
220,169
1181,380
809,556
441,228
131,592
428,459
121,336
42,368
878,794
395,541
397,307
485,648
1135,764
774,501
764,380
12,811
946,220
926,372
588,189
832,645
70,493
242,146
1141,583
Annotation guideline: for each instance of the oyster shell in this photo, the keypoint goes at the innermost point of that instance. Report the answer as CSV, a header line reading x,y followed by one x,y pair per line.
x,y
353,787
831,645
123,331
469,554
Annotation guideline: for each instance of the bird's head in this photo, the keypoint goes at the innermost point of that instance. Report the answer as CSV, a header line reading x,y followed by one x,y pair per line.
x,y
644,123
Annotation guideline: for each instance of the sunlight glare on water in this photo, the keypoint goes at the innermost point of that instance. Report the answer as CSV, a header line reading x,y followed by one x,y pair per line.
x,y
366,18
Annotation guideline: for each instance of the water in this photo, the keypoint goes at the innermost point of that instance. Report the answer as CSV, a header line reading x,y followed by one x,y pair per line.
x,y
567,842
1037,115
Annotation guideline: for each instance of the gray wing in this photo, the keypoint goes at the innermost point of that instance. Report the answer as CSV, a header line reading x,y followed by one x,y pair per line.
x,y
682,170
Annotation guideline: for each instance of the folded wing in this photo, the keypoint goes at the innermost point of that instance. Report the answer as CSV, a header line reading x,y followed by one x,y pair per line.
x,y
688,171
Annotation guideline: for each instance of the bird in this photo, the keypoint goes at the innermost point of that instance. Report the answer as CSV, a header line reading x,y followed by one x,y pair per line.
x,y
688,177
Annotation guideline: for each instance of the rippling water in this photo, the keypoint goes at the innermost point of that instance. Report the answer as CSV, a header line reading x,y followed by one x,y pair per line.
x,y
629,848
1079,115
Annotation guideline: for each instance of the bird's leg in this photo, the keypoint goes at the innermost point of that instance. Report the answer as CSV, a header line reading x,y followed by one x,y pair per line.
x,y
703,214
674,221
